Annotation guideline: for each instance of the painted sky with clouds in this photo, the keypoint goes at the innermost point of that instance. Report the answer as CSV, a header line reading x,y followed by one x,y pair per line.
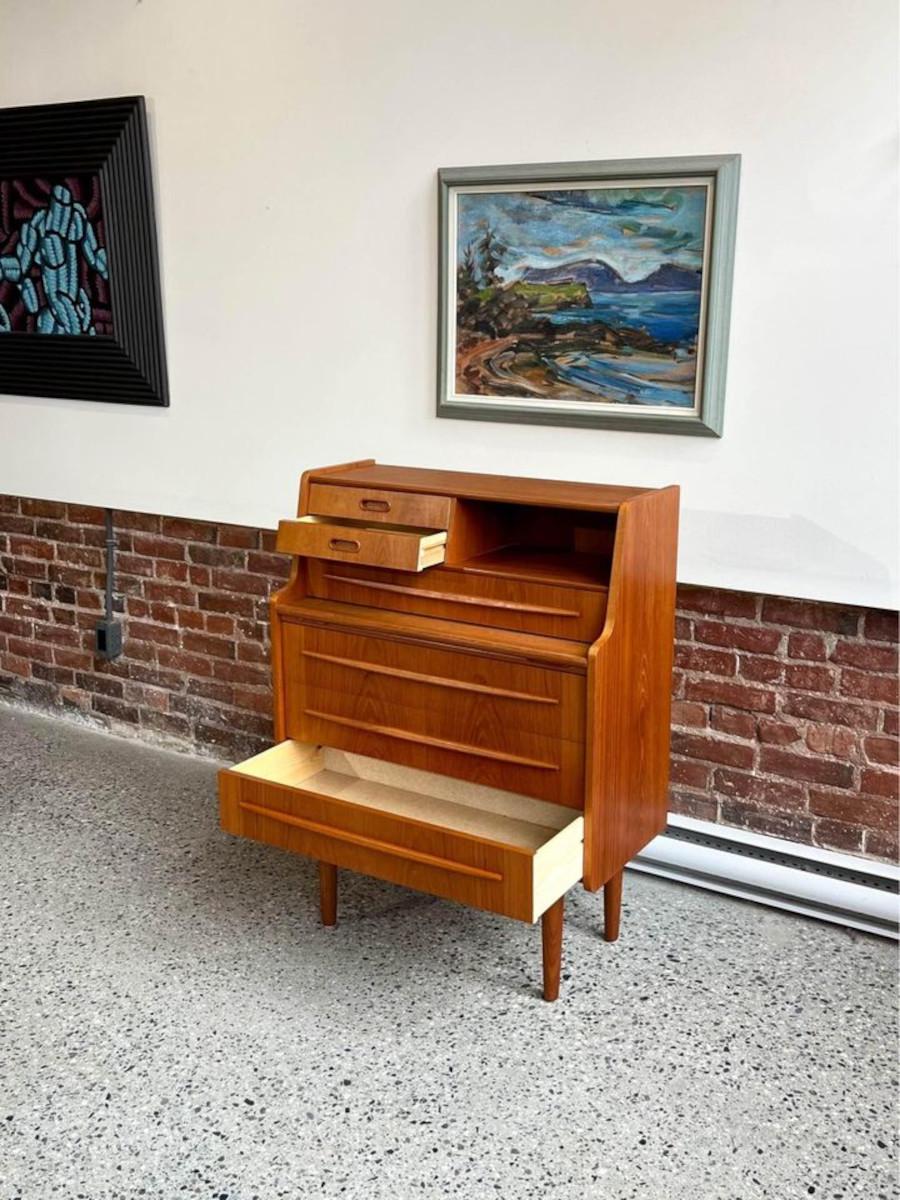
x,y
635,230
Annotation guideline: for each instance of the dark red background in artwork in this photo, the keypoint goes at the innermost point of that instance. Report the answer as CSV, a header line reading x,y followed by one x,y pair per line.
x,y
19,200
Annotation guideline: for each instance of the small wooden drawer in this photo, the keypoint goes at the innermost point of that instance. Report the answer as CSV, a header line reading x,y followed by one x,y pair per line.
x,y
396,508
396,546
503,724
491,849
531,607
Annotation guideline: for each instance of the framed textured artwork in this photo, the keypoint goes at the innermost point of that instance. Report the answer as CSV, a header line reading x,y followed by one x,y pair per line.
x,y
80,312
594,294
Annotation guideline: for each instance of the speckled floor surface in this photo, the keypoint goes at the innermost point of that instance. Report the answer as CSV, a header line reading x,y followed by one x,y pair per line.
x,y
173,1021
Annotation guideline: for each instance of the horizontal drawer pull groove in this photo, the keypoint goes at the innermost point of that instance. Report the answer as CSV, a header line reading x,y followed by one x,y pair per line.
x,y
356,839
421,738
450,598
438,634
436,680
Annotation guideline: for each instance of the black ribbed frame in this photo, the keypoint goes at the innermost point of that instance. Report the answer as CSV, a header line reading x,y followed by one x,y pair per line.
x,y
107,138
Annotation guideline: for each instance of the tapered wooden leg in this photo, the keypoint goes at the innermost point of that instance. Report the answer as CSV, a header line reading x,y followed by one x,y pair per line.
x,y
328,893
551,942
612,907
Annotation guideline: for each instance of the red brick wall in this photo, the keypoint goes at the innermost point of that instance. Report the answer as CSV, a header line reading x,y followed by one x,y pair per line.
x,y
785,711
195,604
785,718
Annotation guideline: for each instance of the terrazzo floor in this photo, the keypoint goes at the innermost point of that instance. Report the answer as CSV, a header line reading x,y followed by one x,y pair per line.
x,y
175,1023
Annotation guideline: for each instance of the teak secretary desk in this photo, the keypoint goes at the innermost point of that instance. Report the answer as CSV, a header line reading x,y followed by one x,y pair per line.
x,y
472,688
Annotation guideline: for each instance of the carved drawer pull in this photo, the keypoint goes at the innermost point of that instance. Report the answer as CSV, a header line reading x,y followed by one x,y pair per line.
x,y
350,545
375,505
422,739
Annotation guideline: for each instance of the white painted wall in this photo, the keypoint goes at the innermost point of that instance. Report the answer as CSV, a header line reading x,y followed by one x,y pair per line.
x,y
296,144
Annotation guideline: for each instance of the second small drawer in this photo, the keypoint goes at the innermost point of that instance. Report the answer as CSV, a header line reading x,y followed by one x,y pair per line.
x,y
396,546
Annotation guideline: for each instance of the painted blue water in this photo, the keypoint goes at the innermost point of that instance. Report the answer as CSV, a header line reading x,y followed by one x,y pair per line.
x,y
669,316
627,381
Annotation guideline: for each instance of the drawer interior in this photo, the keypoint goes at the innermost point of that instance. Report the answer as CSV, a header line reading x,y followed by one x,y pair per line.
x,y
549,835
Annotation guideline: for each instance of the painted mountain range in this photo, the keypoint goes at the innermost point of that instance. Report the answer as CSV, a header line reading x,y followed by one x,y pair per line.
x,y
599,276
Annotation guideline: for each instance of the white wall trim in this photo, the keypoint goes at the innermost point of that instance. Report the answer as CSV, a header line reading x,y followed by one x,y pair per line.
x,y
813,893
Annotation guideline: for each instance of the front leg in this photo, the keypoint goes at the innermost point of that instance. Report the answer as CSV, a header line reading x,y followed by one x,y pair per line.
x,y
551,944
328,893
612,907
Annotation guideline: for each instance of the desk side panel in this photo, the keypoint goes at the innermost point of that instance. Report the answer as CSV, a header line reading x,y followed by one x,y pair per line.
x,y
629,688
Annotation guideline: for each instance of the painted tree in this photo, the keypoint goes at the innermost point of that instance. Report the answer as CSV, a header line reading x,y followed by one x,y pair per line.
x,y
491,253
467,273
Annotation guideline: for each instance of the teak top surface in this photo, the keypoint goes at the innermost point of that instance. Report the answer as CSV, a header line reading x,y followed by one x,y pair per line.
x,y
503,489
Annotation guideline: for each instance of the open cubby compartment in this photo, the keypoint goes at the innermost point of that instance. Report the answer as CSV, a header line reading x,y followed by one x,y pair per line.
x,y
526,541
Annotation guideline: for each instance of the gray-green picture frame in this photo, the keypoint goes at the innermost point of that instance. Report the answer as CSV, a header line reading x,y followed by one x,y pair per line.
x,y
706,418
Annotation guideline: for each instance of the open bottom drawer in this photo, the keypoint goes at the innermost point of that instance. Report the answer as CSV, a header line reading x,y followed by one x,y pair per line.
x,y
494,850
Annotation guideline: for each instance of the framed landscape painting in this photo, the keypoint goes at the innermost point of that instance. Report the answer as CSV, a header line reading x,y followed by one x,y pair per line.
x,y
594,294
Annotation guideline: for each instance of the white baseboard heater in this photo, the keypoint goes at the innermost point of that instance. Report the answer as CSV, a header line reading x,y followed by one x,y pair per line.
x,y
842,888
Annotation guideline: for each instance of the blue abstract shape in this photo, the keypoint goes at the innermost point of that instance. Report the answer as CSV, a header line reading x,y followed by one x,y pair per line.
x,y
51,240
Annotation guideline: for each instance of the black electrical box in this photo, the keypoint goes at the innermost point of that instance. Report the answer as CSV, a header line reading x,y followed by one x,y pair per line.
x,y
109,638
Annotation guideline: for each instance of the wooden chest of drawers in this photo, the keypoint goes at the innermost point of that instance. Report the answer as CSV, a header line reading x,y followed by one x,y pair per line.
x,y
472,678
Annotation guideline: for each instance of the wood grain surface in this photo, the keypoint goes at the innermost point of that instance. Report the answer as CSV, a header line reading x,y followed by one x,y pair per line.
x,y
629,690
